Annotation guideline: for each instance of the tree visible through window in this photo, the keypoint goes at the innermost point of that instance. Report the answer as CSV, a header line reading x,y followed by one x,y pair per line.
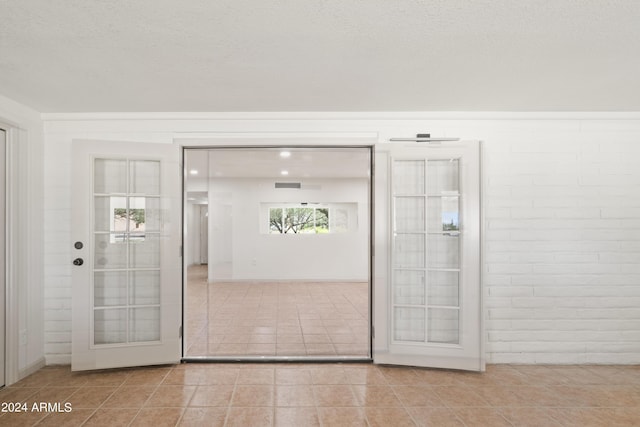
x,y
298,220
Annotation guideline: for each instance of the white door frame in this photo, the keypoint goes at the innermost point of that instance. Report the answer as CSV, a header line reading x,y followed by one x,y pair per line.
x,y
365,139
15,254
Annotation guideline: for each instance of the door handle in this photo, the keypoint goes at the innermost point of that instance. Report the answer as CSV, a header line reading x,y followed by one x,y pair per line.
x,y
78,261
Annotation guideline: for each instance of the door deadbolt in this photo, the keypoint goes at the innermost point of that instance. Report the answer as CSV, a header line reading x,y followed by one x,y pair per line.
x,y
78,245
78,261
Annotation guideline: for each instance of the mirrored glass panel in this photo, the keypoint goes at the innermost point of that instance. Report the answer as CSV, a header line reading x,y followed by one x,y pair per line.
x,y
409,287
409,324
443,177
408,176
110,326
145,177
110,288
409,250
443,325
443,288
110,176
409,214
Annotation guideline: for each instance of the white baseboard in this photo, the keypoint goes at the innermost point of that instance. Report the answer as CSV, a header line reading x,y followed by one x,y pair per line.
x,y
35,366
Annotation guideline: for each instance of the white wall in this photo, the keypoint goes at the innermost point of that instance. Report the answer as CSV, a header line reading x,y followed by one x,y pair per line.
x,y
561,197
257,255
25,341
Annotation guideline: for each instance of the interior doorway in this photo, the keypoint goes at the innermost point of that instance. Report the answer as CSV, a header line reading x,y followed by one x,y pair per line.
x,y
286,272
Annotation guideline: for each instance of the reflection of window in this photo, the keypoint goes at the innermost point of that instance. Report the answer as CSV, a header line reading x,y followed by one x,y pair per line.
x,y
298,220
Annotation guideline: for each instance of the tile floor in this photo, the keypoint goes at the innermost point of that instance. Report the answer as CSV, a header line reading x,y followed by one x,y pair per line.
x,y
330,394
276,318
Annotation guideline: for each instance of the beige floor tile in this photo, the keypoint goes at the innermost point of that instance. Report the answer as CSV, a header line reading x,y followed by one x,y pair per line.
x,y
334,395
293,376
376,396
414,395
528,417
342,417
90,397
129,397
482,417
455,396
219,395
157,417
261,376
252,395
294,395
198,417
254,417
171,396
296,417
434,417
384,417
329,375
71,419
365,375
111,417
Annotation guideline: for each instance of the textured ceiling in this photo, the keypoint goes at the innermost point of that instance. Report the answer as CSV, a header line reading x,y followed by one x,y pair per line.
x,y
321,55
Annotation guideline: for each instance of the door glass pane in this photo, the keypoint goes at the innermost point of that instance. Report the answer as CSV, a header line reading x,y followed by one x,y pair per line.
x,y
145,288
409,324
443,214
144,177
110,288
409,214
409,287
443,177
409,250
108,213
443,325
110,176
443,288
110,326
408,177
144,250
152,213
443,251
110,251
126,238
144,324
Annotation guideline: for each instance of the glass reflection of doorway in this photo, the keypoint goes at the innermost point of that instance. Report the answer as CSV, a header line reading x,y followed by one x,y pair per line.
x,y
288,271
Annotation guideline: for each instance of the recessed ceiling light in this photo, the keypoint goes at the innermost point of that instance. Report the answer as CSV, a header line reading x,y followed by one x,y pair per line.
x,y
193,172
285,154
284,172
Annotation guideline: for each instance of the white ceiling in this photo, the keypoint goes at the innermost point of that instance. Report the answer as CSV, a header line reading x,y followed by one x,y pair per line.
x,y
321,55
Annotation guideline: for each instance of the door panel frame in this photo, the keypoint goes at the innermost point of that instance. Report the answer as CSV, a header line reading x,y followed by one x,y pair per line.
x,y
85,354
383,344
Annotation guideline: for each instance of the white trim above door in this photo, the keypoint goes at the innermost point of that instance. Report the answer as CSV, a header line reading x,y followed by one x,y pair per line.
x,y
126,253
427,280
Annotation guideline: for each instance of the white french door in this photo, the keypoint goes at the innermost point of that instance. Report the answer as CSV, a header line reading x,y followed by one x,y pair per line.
x,y
427,256
126,254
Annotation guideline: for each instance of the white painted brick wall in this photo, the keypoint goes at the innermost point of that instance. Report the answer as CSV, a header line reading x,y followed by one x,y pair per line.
x,y
562,229
562,260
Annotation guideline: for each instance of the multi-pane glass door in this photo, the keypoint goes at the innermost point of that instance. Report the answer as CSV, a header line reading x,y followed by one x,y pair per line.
x,y
427,264
426,251
126,259
126,255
